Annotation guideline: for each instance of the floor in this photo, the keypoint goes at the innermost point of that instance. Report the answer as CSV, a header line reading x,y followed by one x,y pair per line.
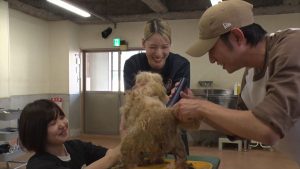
x,y
230,157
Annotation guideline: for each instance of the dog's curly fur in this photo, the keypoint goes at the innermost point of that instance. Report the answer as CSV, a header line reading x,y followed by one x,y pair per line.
x,y
152,129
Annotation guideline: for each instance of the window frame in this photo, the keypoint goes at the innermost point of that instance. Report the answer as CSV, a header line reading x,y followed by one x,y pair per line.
x,y
111,71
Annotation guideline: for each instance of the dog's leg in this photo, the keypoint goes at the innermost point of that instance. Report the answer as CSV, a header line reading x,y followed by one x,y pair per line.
x,y
180,154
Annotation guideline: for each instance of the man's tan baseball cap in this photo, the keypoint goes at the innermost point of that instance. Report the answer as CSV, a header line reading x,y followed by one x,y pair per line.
x,y
219,19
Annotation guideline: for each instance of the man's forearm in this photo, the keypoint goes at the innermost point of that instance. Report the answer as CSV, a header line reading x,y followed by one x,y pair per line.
x,y
240,123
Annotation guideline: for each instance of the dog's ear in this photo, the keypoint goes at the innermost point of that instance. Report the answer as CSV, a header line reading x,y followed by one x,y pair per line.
x,y
143,77
128,102
157,78
157,89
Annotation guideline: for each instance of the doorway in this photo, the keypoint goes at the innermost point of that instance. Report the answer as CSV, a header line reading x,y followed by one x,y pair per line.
x,y
103,90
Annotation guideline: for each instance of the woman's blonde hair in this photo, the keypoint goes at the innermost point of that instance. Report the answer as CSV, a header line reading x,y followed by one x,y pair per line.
x,y
157,26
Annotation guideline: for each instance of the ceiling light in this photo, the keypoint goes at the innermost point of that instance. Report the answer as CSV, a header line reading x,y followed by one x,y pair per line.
x,y
70,7
215,2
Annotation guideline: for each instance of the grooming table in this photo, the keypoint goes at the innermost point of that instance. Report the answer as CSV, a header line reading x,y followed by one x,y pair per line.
x,y
199,162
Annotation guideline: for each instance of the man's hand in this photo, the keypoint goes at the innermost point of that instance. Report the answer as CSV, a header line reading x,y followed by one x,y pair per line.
x,y
188,109
186,91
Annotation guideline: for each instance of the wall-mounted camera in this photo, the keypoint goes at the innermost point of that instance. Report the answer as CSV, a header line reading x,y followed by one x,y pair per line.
x,y
106,32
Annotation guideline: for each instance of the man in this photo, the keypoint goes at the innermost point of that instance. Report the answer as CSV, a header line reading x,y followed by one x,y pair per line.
x,y
271,83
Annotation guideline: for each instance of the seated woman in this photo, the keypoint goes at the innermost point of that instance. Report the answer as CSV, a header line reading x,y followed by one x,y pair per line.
x,y
43,129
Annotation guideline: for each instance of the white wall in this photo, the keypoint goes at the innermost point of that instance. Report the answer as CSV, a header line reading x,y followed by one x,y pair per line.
x,y
59,61
29,54
74,59
184,33
62,49
4,49
42,60
42,54
90,35
272,23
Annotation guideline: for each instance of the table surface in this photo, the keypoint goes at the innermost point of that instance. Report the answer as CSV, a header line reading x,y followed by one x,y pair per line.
x,y
215,161
199,162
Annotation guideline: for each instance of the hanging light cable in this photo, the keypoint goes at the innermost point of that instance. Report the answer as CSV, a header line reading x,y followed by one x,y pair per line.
x,y
70,7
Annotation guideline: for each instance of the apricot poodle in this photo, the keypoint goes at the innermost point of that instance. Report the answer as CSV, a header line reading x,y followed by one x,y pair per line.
x,y
152,129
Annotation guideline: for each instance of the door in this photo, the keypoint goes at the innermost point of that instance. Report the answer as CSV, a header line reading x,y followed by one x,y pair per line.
x,y
103,90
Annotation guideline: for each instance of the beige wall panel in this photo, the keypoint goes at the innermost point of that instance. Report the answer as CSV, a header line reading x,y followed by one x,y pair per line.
x,y
4,49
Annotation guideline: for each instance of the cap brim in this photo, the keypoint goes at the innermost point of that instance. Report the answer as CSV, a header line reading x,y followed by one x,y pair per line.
x,y
201,47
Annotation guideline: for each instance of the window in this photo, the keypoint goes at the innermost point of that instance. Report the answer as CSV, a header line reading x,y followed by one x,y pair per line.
x,y
104,70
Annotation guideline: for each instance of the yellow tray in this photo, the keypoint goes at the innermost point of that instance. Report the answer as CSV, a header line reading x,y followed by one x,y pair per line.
x,y
196,165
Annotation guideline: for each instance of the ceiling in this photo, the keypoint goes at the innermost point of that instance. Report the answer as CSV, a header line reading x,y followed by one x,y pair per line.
x,y
115,11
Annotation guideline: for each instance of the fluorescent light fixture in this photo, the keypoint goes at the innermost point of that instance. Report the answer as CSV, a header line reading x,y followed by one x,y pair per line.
x,y
215,2
70,7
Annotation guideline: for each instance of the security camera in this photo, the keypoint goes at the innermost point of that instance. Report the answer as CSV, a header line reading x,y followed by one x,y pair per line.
x,y
106,32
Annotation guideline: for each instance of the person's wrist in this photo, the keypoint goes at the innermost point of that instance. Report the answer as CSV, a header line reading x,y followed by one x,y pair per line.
x,y
201,114
111,155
